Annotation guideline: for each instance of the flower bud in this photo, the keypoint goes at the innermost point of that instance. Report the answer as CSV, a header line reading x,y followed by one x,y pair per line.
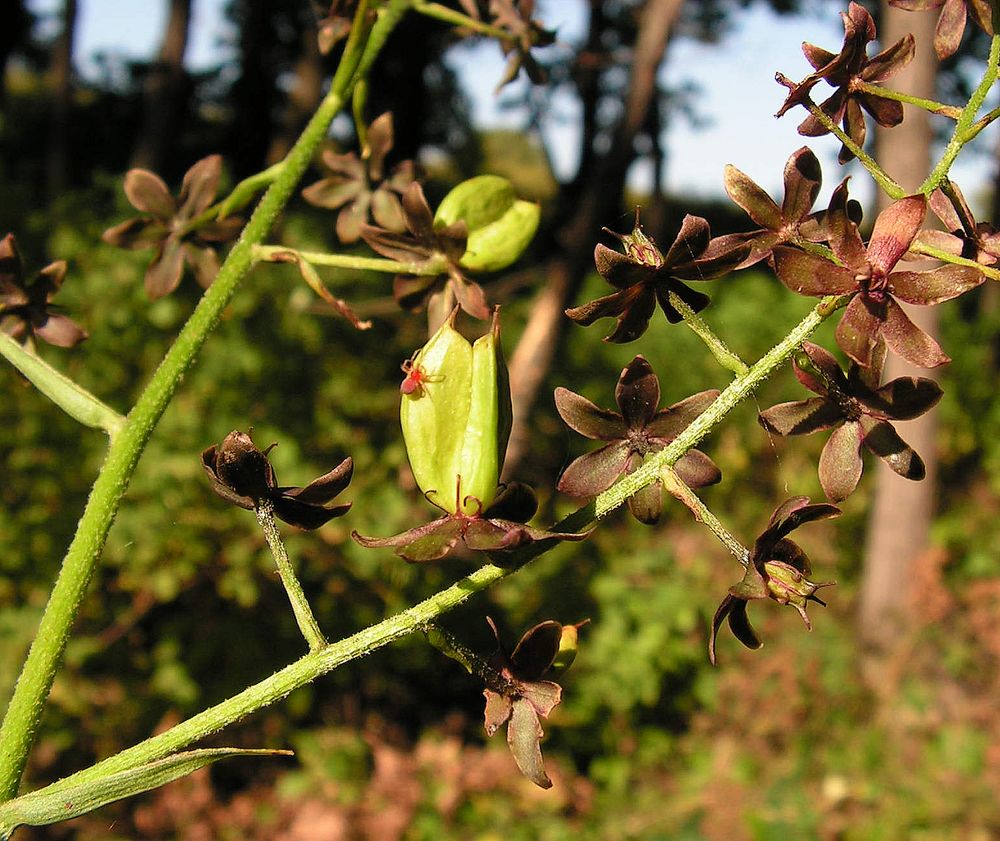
x,y
500,224
456,425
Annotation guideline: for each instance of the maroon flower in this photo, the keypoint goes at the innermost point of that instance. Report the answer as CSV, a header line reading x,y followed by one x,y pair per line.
x,y
438,248
859,412
634,432
951,25
242,475
867,274
963,236
500,527
644,276
778,569
517,695
349,185
516,17
26,309
174,227
849,71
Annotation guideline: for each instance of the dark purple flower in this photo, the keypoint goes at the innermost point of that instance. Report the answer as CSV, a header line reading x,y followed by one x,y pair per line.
x,y
349,186
951,24
26,309
850,71
645,277
867,273
517,695
778,569
242,475
440,248
963,235
500,527
525,33
175,227
859,412
637,430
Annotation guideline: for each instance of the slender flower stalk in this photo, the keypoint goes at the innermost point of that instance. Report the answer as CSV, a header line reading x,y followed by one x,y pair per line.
x,y
719,349
300,604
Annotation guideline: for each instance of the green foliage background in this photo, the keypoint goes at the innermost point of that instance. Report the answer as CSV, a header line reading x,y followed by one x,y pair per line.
x,y
650,743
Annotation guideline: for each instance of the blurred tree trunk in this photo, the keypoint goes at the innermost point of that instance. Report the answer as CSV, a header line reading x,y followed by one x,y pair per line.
x,y
61,88
303,97
898,530
164,91
593,199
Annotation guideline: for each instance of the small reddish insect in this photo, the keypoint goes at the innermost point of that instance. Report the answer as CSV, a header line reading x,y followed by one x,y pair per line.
x,y
415,378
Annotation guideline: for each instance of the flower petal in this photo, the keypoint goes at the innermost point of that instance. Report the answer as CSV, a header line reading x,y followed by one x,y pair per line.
x,y
803,179
809,274
589,420
697,469
758,205
894,230
595,472
840,462
58,330
668,423
935,286
883,440
146,191
200,184
618,269
908,340
801,417
428,542
523,736
904,398
637,393
858,331
535,652
326,487
498,710
164,273
646,504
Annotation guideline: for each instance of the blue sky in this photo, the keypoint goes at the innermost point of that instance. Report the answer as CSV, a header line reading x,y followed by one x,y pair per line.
x,y
738,93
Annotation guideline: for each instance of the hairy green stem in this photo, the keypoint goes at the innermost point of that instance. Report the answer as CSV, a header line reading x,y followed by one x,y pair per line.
x,y
275,253
888,185
965,127
416,618
720,350
951,111
680,489
24,712
300,604
73,399
456,18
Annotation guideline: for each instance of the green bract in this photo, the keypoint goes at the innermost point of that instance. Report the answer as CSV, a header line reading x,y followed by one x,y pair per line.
x,y
456,419
500,224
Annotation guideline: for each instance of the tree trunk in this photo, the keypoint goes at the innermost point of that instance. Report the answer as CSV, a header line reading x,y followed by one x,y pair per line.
x,y
163,94
899,526
598,196
61,87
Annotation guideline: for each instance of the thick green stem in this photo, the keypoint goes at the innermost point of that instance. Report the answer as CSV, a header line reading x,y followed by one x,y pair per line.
x,y
300,604
24,713
74,400
723,355
418,617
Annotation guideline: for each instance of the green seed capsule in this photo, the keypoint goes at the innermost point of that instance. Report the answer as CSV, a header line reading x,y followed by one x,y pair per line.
x,y
500,224
456,425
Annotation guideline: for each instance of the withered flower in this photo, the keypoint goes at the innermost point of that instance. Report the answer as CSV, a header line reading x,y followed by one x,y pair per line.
x,y
868,274
859,412
174,227
26,309
637,430
349,185
963,236
516,693
645,277
499,527
849,71
440,249
515,16
951,25
778,569
242,475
